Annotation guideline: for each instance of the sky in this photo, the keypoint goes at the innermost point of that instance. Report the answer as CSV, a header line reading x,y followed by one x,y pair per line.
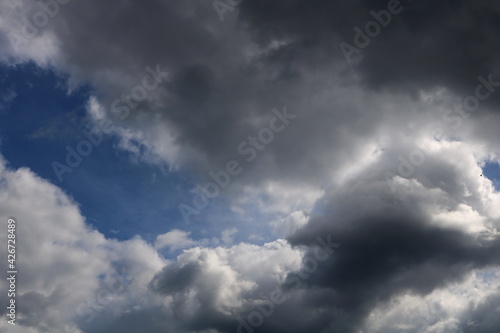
x,y
250,166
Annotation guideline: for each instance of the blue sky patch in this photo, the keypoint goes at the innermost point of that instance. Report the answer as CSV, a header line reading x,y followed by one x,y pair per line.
x,y
491,170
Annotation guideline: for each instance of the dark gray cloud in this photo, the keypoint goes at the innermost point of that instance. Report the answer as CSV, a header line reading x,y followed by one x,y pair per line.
x,y
428,44
395,241
391,242
225,76
175,279
386,256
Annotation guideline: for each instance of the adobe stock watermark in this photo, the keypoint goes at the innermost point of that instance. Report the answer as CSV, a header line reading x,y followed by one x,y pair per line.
x,y
249,148
372,29
223,6
462,110
31,26
471,103
11,270
120,108
254,319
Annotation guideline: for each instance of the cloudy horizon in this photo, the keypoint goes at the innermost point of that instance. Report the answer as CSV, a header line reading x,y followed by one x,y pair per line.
x,y
240,166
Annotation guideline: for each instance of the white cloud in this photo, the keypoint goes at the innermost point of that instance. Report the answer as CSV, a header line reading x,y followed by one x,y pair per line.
x,y
63,265
440,311
226,279
174,240
286,226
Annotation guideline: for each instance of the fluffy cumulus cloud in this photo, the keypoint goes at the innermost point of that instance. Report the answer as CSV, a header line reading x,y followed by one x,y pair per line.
x,y
75,280
374,140
71,275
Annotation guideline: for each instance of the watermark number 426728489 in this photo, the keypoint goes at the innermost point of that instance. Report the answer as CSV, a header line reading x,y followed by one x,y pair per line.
x,y
11,271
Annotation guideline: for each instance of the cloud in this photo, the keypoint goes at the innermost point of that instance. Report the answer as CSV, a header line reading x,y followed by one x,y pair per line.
x,y
443,32
67,272
174,240
484,317
110,291
444,310
288,225
401,242
406,235
209,286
